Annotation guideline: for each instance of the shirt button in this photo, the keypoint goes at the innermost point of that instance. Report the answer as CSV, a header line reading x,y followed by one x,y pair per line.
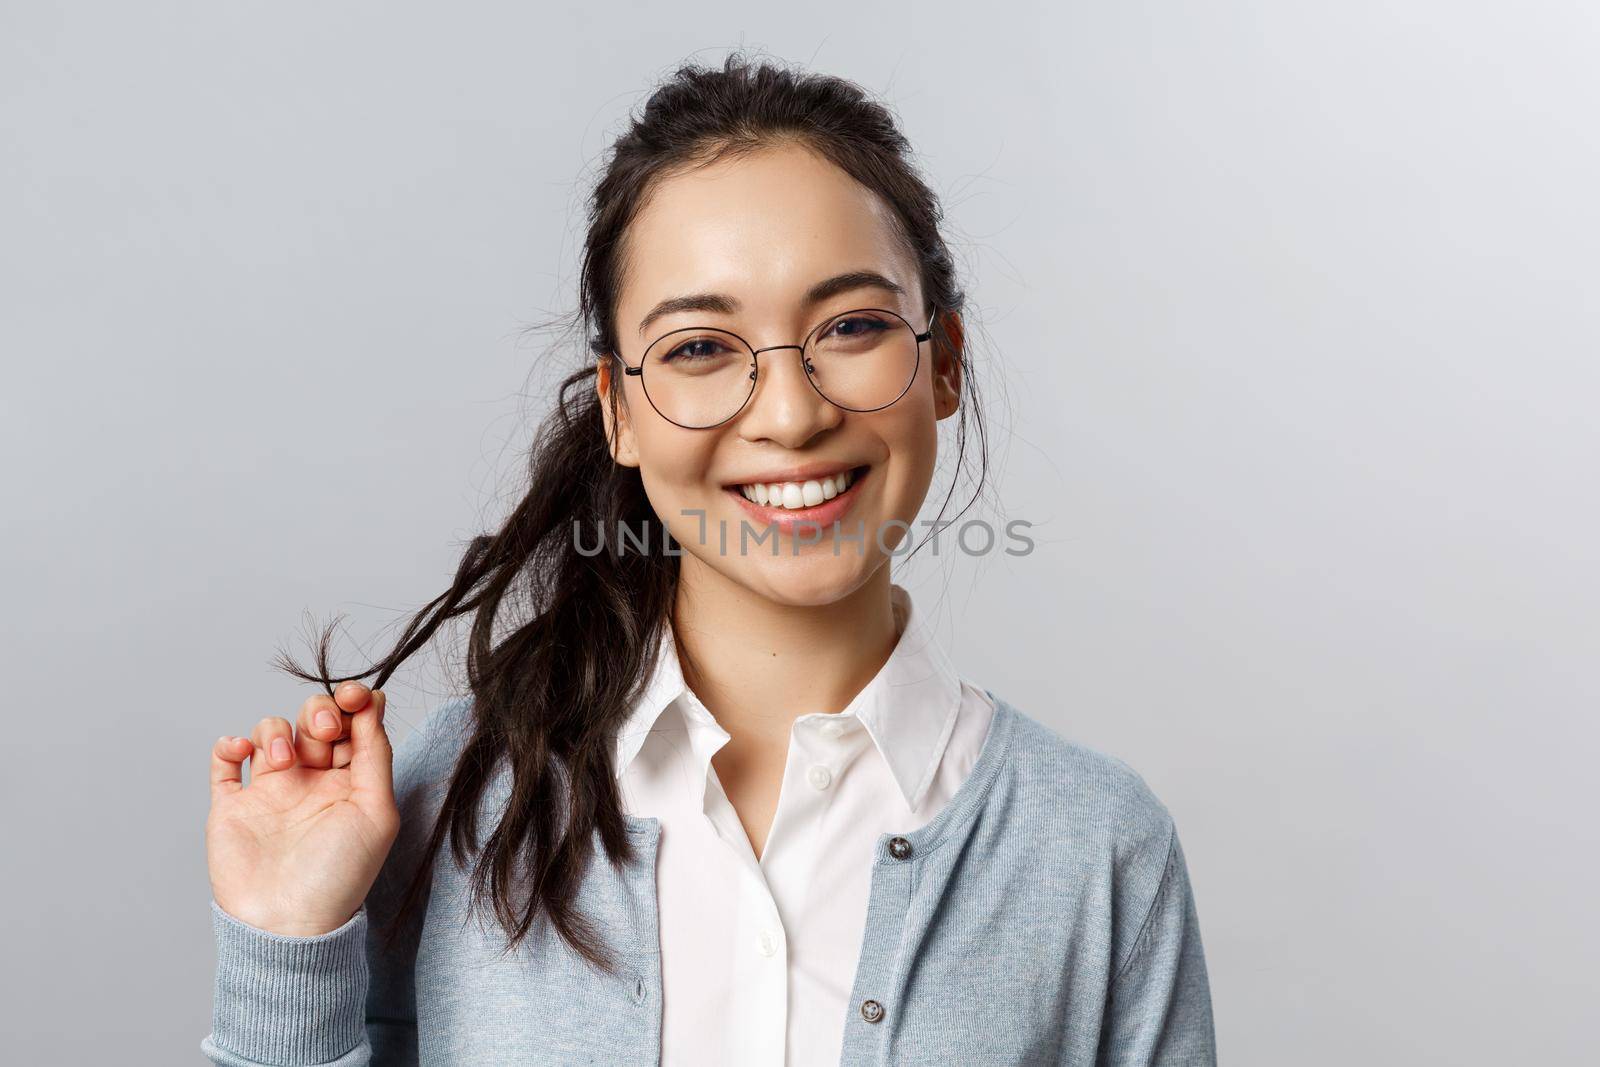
x,y
899,848
832,728
819,776
871,1010
767,943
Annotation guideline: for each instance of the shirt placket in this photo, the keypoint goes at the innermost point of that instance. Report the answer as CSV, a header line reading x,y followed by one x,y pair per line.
x,y
757,1029
821,748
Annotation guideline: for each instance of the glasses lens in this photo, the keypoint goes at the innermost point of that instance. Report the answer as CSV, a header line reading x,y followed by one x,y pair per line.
x,y
698,377
863,360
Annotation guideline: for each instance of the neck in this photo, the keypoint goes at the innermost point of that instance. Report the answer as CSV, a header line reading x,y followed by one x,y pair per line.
x,y
758,664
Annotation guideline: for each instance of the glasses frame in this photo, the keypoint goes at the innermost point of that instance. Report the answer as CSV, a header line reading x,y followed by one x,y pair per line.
x,y
803,347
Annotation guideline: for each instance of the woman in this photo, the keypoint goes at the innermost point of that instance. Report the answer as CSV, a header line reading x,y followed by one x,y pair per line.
x,y
821,845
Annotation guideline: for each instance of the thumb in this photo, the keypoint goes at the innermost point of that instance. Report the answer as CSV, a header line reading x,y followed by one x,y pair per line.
x,y
371,755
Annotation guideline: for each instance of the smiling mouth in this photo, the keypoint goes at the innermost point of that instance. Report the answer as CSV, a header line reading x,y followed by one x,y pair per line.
x,y
800,496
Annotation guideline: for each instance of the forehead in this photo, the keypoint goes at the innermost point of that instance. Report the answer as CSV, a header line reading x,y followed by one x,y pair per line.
x,y
762,228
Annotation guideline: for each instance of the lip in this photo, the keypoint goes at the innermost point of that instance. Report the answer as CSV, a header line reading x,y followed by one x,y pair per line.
x,y
794,474
822,515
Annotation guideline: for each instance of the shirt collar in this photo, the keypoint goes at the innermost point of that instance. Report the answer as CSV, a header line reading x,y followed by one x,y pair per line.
x,y
909,708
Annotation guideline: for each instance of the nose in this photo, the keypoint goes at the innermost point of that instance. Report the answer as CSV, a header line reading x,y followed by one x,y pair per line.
x,y
785,406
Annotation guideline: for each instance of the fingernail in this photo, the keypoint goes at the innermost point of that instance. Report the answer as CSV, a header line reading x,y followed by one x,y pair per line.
x,y
280,751
326,721
350,687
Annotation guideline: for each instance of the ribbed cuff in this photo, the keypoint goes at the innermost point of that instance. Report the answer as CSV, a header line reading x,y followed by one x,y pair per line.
x,y
289,1000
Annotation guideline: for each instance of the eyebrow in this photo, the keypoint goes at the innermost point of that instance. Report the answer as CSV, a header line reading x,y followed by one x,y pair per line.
x,y
723,304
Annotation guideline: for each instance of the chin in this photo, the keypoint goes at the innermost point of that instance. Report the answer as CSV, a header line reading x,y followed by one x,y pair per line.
x,y
809,580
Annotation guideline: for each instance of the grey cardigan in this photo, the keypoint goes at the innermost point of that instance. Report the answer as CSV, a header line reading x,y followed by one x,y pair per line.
x,y
1044,916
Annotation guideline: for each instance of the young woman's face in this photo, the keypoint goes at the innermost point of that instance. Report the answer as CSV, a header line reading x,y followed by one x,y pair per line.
x,y
761,231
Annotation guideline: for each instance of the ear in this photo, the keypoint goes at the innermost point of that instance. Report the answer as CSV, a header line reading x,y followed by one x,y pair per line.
x,y
619,438
947,361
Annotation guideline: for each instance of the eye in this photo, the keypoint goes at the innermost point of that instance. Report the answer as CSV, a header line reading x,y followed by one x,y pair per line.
x,y
698,349
856,326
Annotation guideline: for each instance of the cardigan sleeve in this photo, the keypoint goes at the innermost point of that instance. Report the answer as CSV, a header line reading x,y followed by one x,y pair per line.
x,y
336,999
1159,1011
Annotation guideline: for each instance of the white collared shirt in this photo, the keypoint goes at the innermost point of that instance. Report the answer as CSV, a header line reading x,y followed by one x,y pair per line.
x,y
758,956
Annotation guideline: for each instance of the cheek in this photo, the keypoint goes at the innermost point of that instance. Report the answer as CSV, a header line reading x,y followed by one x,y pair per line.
x,y
674,466
913,444
919,425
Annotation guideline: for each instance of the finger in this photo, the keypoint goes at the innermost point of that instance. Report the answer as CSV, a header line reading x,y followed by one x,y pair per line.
x,y
227,764
320,725
274,741
371,757
352,696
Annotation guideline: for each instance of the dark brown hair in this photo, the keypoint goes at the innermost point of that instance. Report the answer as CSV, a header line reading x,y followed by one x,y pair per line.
x,y
550,691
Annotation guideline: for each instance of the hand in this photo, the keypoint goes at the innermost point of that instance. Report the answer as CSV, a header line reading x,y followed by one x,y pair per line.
x,y
297,850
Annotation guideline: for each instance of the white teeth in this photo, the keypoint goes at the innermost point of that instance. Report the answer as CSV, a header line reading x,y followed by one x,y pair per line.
x,y
790,495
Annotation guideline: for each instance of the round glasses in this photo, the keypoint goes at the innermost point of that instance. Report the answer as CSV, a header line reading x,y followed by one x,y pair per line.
x,y
862,360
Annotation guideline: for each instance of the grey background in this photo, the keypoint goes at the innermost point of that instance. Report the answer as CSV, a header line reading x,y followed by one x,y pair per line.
x,y
1286,316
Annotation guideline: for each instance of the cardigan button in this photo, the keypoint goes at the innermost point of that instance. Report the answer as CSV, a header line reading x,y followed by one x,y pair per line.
x,y
899,848
871,1010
